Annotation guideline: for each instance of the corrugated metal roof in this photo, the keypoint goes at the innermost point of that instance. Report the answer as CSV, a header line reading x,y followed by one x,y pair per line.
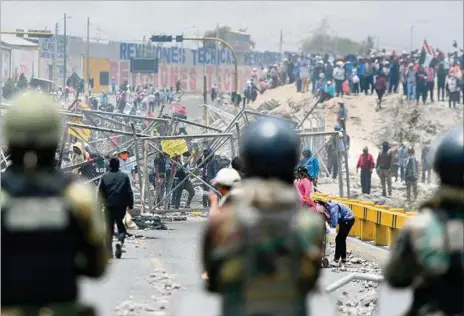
x,y
12,40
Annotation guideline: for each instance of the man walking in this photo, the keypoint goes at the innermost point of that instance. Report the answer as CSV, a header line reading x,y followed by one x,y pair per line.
x,y
116,191
383,167
412,174
366,163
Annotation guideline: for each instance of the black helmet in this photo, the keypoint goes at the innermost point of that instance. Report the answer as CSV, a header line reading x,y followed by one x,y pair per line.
x,y
302,169
449,158
270,149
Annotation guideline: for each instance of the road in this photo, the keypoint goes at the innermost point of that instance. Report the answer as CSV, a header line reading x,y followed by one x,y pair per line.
x,y
137,281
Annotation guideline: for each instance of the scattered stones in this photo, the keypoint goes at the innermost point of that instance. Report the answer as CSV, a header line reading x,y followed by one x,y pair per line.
x,y
149,222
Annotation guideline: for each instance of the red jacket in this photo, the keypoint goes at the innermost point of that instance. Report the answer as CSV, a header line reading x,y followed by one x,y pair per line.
x,y
366,163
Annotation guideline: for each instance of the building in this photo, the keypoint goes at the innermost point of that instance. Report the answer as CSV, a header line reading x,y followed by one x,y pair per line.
x,y
110,62
19,56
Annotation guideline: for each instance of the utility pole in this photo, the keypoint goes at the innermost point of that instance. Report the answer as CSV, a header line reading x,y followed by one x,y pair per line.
x,y
87,68
281,44
55,53
65,40
412,37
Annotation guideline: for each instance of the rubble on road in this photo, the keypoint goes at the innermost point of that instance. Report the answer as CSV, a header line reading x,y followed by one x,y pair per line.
x,y
364,303
149,222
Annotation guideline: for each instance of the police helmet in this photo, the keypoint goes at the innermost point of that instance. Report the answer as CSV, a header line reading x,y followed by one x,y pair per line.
x,y
270,149
32,122
448,162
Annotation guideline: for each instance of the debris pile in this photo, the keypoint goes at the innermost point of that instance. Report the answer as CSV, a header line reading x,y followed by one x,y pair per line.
x,y
149,222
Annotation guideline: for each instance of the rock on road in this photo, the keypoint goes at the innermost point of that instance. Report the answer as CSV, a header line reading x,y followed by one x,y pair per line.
x,y
138,285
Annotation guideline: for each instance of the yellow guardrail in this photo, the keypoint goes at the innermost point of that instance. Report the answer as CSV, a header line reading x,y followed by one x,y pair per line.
x,y
377,223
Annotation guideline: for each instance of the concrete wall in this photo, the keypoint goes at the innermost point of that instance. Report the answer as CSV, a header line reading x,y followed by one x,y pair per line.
x,y
190,65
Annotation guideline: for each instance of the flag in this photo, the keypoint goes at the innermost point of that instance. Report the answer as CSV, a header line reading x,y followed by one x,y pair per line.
x,y
427,54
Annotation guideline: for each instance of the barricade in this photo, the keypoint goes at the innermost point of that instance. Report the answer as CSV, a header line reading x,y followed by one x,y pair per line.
x,y
377,223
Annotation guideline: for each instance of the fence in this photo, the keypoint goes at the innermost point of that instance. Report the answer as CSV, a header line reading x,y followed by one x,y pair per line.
x,y
172,160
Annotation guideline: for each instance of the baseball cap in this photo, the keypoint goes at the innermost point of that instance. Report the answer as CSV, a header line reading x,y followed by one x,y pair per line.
x,y
227,177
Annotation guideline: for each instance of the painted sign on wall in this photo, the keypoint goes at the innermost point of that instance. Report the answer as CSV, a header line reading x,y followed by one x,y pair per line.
x,y
191,77
177,55
24,62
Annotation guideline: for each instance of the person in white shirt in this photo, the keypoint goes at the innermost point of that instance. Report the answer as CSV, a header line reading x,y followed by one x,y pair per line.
x,y
339,77
304,76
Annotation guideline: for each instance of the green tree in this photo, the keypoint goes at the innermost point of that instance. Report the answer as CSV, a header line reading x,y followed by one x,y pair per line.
x,y
320,41
221,32
9,88
22,81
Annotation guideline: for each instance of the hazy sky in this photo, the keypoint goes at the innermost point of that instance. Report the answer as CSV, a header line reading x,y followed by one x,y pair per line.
x,y
440,22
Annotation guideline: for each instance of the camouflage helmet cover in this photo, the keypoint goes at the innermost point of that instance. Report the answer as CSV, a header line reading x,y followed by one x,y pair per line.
x,y
32,120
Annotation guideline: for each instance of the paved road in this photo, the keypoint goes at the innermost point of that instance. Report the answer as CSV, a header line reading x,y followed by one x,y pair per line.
x,y
176,251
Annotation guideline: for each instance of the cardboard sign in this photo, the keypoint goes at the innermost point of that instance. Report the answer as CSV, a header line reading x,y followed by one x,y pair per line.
x,y
80,133
174,147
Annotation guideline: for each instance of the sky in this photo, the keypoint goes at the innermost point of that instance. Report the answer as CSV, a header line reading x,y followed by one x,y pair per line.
x,y
440,22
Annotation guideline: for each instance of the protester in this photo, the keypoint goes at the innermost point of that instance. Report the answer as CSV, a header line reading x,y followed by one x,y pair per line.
x,y
116,193
395,160
342,114
380,87
209,171
305,187
225,180
339,77
441,80
452,86
355,82
411,174
304,75
311,163
343,216
421,85
426,166
383,167
430,84
402,157
366,163
186,185
411,82
160,175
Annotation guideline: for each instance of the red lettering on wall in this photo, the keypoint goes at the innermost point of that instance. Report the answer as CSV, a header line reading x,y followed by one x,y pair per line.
x,y
174,76
114,71
124,71
210,79
163,77
184,77
227,79
193,79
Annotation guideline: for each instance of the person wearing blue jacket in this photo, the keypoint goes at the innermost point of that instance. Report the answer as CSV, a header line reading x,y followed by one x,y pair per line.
x,y
342,215
311,163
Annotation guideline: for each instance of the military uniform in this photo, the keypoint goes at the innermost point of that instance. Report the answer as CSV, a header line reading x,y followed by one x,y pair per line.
x,y
263,253
52,230
429,252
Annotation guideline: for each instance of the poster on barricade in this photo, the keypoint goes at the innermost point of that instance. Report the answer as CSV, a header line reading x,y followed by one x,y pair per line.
x,y
174,147
82,134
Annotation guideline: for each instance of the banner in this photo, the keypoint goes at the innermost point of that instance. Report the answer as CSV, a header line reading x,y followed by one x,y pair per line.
x,y
174,147
82,134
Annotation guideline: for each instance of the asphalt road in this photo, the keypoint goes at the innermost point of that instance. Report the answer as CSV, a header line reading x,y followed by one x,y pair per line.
x,y
137,282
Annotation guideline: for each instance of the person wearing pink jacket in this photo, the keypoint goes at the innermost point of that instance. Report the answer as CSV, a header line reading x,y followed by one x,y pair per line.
x,y
305,187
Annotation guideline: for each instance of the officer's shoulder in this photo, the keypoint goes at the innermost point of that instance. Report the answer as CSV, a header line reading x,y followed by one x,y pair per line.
x,y
309,221
82,197
420,222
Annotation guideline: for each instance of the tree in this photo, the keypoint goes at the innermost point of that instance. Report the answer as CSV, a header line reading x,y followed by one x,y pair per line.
x,y
221,32
9,88
22,81
321,42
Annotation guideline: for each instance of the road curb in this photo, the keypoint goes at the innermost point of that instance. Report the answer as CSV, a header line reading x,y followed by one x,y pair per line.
x,y
363,249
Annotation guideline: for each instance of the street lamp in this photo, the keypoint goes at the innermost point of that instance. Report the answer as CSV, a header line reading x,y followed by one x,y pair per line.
x,y
413,26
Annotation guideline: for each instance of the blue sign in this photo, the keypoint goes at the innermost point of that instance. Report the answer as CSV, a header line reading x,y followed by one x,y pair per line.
x,y
261,59
176,55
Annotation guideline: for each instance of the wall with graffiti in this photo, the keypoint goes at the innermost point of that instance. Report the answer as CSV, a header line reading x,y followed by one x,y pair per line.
x,y
175,62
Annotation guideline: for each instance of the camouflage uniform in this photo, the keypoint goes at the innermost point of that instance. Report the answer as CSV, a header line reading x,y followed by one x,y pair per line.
x,y
263,253
52,231
429,252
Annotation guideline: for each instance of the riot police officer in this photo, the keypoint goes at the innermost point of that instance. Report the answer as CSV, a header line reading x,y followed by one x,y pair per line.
x,y
52,230
429,252
263,253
